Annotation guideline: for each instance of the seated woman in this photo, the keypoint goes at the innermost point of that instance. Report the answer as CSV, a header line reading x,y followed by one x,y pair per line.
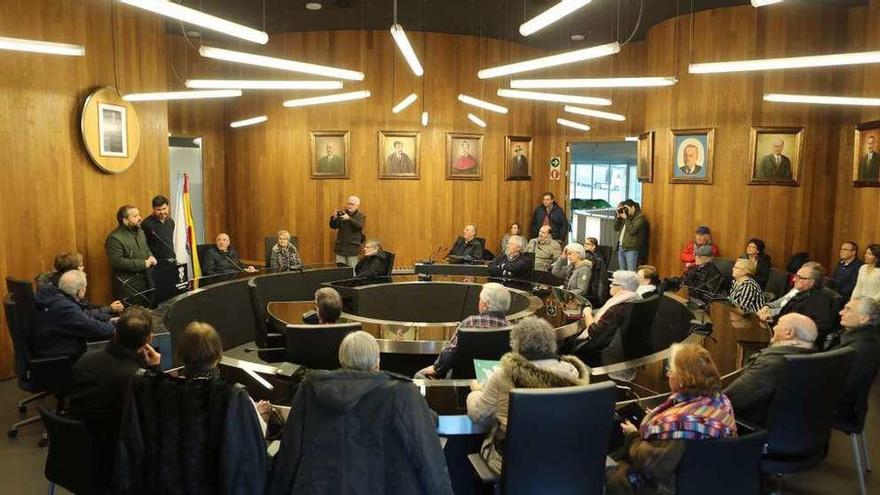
x,y
745,293
284,254
868,281
513,230
374,263
359,430
532,363
648,281
696,410
574,269
755,253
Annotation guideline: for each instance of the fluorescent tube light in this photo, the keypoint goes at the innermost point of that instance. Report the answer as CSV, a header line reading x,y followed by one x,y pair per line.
x,y
551,15
34,46
555,97
247,122
608,82
589,112
424,119
631,138
570,123
551,61
763,3
233,84
404,103
786,63
183,95
406,49
476,120
201,19
279,63
822,100
470,100
335,98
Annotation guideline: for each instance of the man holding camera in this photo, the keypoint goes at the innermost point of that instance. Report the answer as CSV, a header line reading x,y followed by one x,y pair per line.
x,y
349,226
633,231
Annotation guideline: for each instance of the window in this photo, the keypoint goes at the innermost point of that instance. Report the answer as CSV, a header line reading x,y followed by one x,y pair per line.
x,y
613,182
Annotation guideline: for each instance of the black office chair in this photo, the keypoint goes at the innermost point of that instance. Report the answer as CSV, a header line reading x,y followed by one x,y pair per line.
x,y
724,265
389,263
633,339
264,336
317,346
730,466
200,252
801,412
269,242
556,441
777,284
599,285
852,423
479,343
69,460
22,292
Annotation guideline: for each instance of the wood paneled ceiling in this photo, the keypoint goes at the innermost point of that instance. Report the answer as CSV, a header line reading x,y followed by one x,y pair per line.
x,y
600,22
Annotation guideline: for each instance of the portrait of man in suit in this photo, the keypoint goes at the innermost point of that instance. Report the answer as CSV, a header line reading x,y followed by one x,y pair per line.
x,y
329,154
775,154
519,151
398,162
774,165
331,162
398,155
869,161
692,155
464,156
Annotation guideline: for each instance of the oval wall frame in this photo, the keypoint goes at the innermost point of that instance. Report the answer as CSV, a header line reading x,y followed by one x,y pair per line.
x,y
110,130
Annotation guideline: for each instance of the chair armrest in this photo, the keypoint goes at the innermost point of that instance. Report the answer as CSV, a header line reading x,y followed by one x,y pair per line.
x,y
275,339
482,469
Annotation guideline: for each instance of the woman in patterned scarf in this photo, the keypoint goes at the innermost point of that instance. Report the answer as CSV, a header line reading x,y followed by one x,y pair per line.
x,y
284,254
696,410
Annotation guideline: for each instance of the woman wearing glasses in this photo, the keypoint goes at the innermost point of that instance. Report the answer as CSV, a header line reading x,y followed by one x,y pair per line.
x,y
746,294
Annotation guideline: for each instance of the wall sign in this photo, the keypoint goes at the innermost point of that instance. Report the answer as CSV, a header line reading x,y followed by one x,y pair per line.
x,y
555,168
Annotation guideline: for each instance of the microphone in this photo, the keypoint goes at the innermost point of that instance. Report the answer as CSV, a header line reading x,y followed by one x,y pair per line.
x,y
232,261
431,257
165,243
125,284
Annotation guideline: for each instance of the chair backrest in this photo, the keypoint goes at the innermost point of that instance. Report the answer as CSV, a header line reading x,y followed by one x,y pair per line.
x,y
389,263
269,242
317,346
479,343
260,314
801,412
557,439
731,466
777,282
69,460
200,252
635,333
724,265
22,292
19,341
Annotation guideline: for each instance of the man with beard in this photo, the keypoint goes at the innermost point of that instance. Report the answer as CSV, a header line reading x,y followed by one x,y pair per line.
x,y
130,258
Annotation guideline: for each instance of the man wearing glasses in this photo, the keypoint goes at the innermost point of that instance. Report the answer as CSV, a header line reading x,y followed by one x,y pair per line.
x,y
847,270
807,298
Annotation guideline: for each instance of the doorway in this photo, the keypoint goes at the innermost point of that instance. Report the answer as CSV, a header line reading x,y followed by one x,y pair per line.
x,y
185,157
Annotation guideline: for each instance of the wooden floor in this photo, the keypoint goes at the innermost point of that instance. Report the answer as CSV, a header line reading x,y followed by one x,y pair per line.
x,y
22,461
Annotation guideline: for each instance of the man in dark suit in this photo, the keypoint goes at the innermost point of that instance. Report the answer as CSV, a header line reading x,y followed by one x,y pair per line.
x,y
774,165
331,163
519,164
752,392
859,319
222,258
689,157
399,162
807,298
467,246
869,163
512,264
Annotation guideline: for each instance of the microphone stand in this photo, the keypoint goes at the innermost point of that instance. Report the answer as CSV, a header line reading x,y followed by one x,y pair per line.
x,y
170,260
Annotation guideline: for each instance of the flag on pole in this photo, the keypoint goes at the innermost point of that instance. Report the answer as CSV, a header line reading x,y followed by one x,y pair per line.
x,y
184,229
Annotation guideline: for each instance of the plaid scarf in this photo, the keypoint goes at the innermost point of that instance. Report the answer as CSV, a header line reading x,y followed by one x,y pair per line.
x,y
690,417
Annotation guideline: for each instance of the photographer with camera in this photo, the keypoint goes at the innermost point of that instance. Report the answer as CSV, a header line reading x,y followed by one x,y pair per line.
x,y
349,226
633,230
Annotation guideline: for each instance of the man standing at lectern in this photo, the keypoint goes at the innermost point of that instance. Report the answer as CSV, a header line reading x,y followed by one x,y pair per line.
x,y
159,230
130,258
349,226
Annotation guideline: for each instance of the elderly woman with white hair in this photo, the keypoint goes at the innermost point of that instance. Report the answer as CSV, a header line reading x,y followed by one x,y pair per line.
x,y
513,263
284,254
532,363
378,422
746,293
574,268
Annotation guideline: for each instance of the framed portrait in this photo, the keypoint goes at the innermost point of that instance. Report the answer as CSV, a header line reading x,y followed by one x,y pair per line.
x,y
645,157
112,127
692,153
866,162
775,155
398,155
517,157
464,156
328,154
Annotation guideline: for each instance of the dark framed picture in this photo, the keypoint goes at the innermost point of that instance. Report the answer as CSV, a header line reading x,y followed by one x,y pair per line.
x,y
692,152
464,156
398,155
775,155
518,156
866,162
645,154
328,153
112,130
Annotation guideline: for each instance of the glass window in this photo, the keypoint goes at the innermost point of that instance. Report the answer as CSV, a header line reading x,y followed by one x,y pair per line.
x,y
613,182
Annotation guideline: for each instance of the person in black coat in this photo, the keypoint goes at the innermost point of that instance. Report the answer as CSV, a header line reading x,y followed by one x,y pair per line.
x,y
514,264
808,299
550,211
349,224
374,263
703,280
755,252
376,421
222,258
860,318
466,245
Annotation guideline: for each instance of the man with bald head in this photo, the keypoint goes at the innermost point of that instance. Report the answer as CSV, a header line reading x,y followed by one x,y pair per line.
x,y
752,392
222,258
467,245
774,165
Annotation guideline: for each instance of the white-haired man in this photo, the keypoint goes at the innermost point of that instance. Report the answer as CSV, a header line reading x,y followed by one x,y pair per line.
x,y
349,225
859,319
493,306
513,264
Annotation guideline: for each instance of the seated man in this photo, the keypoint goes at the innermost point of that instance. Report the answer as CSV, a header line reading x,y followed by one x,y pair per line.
x,y
493,306
846,273
374,263
702,237
328,307
65,262
63,323
514,264
222,258
377,422
752,392
546,249
807,298
101,380
703,280
466,246
859,318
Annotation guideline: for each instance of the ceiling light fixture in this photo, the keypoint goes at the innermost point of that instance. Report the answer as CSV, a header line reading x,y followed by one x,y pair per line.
x,y
606,82
34,46
551,15
577,37
236,84
406,49
314,6
786,63
424,119
554,97
551,61
279,63
197,18
335,98
183,95
589,112
405,103
822,100
470,100
476,120
250,121
764,3
571,123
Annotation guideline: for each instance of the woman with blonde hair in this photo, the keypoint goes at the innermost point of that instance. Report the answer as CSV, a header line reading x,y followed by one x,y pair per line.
x,y
284,254
746,293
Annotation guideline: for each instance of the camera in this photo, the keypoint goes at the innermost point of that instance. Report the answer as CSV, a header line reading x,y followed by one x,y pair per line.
x,y
621,210
339,213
